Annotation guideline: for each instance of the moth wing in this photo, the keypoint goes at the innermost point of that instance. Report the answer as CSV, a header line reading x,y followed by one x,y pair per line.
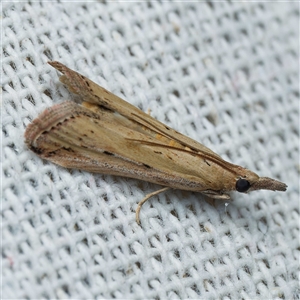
x,y
95,94
103,141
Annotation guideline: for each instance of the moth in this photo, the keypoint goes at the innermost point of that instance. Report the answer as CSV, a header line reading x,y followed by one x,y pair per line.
x,y
105,134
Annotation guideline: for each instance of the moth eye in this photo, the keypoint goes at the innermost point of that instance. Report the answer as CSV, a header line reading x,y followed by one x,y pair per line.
x,y
242,185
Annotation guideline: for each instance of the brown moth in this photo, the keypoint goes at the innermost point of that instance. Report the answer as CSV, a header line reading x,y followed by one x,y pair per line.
x,y
106,134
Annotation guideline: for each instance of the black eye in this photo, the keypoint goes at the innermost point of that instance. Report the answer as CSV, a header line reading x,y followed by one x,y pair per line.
x,y
242,185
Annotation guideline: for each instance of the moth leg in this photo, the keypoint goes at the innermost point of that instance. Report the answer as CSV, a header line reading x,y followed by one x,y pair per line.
x,y
137,212
215,195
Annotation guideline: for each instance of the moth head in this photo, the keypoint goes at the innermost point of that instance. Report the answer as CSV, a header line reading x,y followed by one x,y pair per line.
x,y
246,185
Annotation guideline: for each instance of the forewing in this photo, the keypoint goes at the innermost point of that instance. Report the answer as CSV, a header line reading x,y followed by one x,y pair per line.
x,y
93,93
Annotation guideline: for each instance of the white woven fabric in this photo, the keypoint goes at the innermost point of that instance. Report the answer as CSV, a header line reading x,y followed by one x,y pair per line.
x,y
225,74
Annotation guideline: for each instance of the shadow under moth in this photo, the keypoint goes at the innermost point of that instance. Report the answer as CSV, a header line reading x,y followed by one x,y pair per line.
x,y
105,134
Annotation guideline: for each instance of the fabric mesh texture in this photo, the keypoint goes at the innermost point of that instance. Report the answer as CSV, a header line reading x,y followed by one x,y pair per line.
x,y
224,73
